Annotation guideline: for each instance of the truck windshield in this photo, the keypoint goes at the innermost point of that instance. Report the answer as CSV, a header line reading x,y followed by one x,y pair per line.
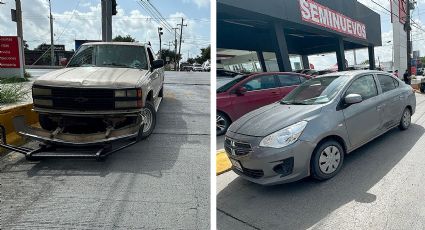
x,y
315,91
118,56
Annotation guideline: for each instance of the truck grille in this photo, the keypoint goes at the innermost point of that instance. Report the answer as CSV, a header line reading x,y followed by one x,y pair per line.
x,y
236,148
82,99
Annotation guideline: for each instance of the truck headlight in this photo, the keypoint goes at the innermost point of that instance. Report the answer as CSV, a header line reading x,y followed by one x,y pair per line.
x,y
41,91
285,136
128,93
43,102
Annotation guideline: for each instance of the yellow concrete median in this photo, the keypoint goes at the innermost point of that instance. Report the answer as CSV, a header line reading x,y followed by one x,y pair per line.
x,y
6,120
222,162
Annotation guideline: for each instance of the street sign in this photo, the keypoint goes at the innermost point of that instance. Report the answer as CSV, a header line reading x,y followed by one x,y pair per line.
x,y
11,64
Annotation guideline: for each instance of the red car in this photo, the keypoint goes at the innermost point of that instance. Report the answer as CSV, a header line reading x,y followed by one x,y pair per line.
x,y
249,92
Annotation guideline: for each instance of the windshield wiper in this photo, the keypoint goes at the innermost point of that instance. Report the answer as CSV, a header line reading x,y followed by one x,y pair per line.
x,y
292,103
115,64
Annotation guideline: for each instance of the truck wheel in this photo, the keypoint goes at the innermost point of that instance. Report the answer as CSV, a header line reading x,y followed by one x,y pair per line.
x,y
150,122
47,123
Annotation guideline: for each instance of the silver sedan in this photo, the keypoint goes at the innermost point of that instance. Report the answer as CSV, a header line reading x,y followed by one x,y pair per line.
x,y
309,132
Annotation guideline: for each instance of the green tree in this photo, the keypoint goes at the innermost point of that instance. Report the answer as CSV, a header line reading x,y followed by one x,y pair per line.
x,y
120,38
205,55
365,62
170,54
190,60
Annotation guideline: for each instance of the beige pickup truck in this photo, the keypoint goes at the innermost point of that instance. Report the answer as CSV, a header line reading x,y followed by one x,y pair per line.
x,y
109,91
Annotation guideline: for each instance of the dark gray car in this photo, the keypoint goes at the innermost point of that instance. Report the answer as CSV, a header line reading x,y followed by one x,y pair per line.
x,y
310,130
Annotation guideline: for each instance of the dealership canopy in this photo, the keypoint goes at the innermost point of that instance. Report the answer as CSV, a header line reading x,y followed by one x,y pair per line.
x,y
302,27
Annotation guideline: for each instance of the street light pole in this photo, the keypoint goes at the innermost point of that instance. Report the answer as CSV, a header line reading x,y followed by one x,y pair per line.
x,y
52,46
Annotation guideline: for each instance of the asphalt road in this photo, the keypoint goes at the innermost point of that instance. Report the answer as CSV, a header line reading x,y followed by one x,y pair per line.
x,y
381,186
160,183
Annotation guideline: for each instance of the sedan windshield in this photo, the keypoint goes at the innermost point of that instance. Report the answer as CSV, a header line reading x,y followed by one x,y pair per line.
x,y
121,56
230,84
315,91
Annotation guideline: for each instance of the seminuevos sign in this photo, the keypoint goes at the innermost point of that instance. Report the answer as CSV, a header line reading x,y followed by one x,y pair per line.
x,y
315,13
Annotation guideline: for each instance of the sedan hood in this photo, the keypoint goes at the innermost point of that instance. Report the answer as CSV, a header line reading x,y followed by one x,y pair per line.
x,y
273,117
96,77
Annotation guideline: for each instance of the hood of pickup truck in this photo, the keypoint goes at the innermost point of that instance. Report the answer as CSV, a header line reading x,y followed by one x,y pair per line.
x,y
92,77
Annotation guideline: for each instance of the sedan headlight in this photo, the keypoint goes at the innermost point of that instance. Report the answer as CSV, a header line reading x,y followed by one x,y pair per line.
x,y
285,136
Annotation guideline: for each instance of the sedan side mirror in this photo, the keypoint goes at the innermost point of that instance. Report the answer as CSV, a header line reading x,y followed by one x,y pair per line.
x,y
353,98
156,64
241,91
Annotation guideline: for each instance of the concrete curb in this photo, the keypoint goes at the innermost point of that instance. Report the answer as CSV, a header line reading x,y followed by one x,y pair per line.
x,y
222,162
6,119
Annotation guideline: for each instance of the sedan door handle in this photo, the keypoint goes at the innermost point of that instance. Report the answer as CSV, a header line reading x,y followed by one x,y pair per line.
x,y
275,93
379,107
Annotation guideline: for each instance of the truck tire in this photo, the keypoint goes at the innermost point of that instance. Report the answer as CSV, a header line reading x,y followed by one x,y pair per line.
x,y
149,126
47,123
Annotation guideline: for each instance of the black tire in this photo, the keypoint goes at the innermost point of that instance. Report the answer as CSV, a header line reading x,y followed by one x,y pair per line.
x,y
222,123
316,171
422,88
47,123
405,121
144,133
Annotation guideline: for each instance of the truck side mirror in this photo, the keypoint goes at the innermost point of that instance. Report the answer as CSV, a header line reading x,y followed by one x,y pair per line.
x,y
156,64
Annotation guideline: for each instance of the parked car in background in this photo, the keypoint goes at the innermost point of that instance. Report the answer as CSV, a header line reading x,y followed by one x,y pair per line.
x,y
223,73
197,67
249,92
310,72
206,66
311,130
185,66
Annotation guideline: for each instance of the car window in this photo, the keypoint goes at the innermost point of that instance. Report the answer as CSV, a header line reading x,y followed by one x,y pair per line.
x,y
289,80
261,82
365,86
387,83
303,79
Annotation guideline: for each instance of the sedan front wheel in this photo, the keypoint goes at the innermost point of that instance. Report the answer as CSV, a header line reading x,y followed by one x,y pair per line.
x,y
327,160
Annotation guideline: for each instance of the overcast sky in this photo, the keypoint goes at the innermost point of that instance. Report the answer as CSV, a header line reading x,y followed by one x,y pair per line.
x,y
384,53
81,19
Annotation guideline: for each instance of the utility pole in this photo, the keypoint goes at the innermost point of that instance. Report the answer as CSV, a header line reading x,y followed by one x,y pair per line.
x,y
175,48
409,44
52,46
19,30
355,57
181,35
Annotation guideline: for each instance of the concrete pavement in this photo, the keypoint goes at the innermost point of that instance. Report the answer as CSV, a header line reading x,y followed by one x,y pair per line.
x,y
160,183
380,187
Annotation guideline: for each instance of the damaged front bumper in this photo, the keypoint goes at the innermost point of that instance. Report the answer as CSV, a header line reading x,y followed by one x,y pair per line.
x,y
57,137
57,144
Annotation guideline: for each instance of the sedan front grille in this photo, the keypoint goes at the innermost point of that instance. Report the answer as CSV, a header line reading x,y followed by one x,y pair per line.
x,y
236,148
254,173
